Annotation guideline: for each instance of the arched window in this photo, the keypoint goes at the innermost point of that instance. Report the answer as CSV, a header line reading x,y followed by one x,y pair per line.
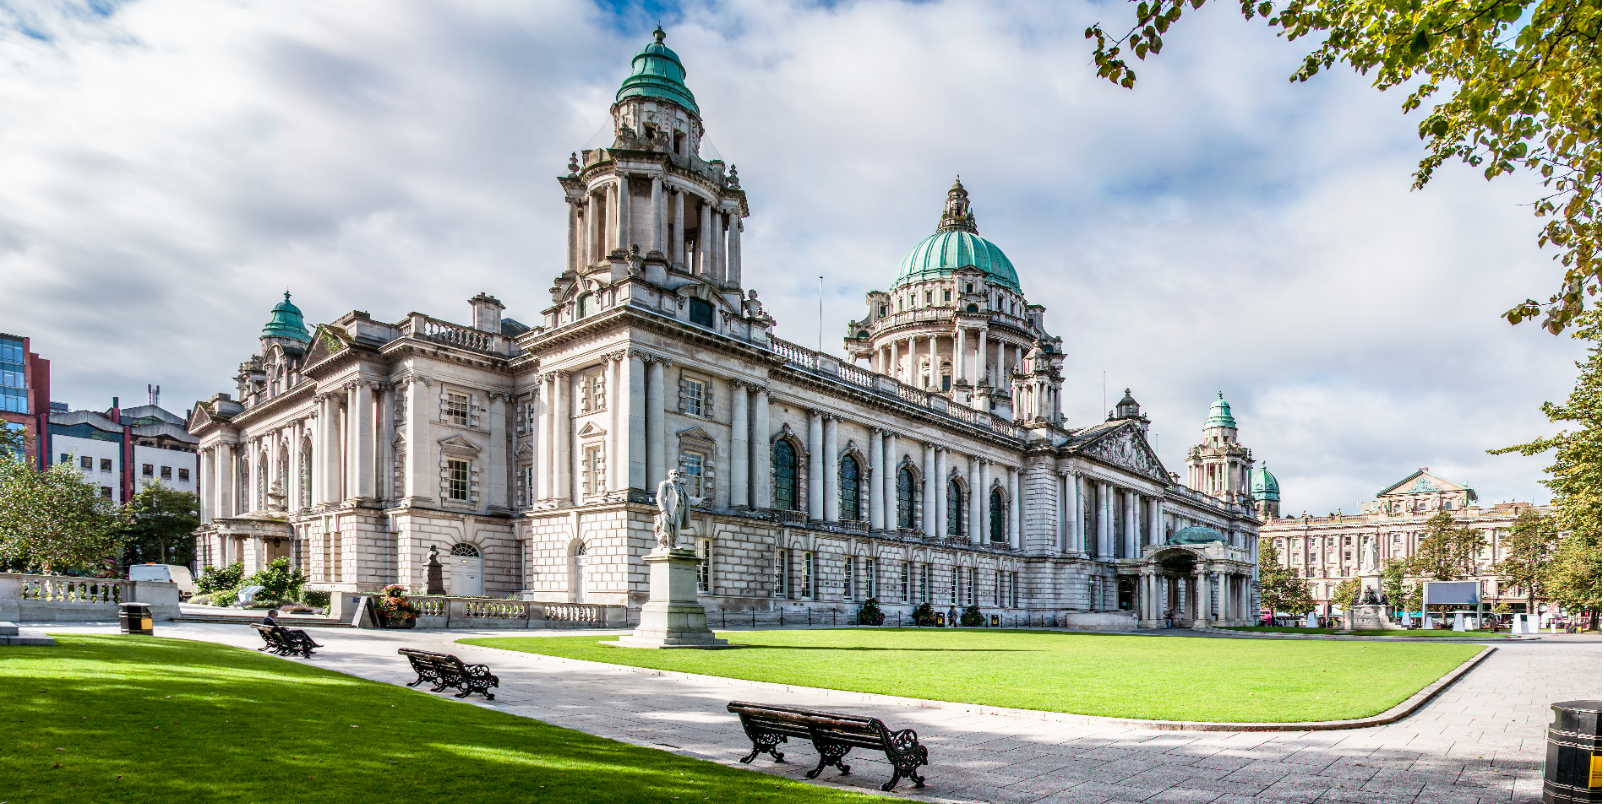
x,y
849,488
469,551
999,509
907,495
955,508
784,476
582,306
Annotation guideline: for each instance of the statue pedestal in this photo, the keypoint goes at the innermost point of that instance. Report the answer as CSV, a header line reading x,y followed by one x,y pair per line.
x,y
1369,616
672,618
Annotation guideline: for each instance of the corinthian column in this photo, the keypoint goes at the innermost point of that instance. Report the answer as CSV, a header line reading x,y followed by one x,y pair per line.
x,y
732,271
740,447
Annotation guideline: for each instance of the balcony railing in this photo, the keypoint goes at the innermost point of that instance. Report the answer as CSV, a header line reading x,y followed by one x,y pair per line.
x,y
474,340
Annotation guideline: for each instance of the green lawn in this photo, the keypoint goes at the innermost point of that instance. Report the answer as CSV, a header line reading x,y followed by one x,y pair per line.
x,y
1413,632
1164,678
146,719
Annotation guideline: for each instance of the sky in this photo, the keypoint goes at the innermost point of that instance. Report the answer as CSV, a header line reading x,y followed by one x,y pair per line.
x,y
171,167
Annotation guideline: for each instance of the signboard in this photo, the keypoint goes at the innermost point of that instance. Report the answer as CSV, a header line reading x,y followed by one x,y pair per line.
x,y
1453,593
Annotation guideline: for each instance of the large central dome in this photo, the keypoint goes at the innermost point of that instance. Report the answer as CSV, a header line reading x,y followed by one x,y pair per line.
x,y
956,244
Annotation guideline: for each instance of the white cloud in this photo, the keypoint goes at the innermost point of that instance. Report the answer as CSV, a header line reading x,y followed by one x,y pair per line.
x,y
173,165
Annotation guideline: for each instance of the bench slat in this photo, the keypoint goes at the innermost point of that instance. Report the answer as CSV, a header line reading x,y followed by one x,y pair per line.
x,y
833,735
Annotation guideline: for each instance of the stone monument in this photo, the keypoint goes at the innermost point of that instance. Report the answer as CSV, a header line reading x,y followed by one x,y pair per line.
x,y
1368,611
672,617
435,583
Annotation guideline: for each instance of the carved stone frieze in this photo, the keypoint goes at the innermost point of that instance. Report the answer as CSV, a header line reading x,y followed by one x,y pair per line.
x,y
1126,448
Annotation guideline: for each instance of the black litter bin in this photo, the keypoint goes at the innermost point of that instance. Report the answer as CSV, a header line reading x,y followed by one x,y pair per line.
x,y
1571,774
135,618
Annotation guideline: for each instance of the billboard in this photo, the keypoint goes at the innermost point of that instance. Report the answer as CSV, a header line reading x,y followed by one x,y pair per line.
x,y
1453,593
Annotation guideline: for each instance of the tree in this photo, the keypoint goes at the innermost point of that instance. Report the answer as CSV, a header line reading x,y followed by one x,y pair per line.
x,y
1280,588
1447,551
1523,84
54,520
1395,584
1574,576
13,440
160,526
1347,593
1530,554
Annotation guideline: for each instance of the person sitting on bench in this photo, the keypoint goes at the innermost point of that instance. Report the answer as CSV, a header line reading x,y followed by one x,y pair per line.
x,y
271,618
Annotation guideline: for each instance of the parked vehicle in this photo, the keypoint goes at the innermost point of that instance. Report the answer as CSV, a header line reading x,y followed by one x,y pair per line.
x,y
165,573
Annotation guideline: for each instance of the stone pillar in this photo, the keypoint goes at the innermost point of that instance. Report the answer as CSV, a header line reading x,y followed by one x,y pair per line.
x,y
205,483
717,247
621,196
928,498
1014,504
977,502
592,230
573,235
656,468
959,363
498,489
1200,597
981,358
1133,524
941,492
890,486
656,243
704,241
562,450
732,270
934,382
617,435
673,617
985,501
677,248
815,465
740,447
877,470
362,441
1103,541
224,506
762,454
832,471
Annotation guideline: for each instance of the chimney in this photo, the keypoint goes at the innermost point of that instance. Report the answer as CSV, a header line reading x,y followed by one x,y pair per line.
x,y
486,313
116,412
155,392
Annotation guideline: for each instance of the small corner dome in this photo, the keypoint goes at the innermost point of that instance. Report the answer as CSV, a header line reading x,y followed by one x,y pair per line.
x,y
1197,534
286,322
956,244
656,72
1264,485
1220,414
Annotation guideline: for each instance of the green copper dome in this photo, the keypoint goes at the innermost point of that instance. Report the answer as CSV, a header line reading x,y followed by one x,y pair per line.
x,y
286,322
1264,485
956,244
1197,534
656,72
1220,414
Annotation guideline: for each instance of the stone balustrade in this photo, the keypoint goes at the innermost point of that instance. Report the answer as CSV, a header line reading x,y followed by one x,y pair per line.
x,y
28,597
438,611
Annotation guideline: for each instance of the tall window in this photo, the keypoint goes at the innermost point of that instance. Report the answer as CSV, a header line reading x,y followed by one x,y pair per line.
x,y
807,575
955,508
595,479
692,397
997,590
955,586
597,392
456,409
870,587
782,573
694,466
457,480
974,598
704,565
784,476
849,488
999,509
906,497
904,582
924,583
847,568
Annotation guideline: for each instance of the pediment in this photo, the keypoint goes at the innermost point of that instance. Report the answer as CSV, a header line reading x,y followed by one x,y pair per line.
x,y
591,429
1125,447
458,443
524,451
326,342
1422,481
696,434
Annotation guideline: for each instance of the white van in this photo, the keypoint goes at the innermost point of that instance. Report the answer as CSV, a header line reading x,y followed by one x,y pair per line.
x,y
165,573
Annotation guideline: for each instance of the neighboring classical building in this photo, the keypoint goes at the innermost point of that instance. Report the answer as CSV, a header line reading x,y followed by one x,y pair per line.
x,y
943,473
123,449
1326,550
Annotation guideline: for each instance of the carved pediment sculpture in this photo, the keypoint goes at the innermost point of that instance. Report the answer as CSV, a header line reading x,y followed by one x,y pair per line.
x,y
1125,447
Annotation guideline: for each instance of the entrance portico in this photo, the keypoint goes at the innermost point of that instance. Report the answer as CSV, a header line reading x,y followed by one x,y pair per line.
x,y
1194,585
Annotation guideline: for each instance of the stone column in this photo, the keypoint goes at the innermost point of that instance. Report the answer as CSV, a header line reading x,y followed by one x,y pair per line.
x,y
422,479
815,465
634,391
732,270
573,235
656,243
740,447
877,470
928,499
959,363
592,230
206,482
977,502
677,248
985,501
935,367
980,358
717,247
1133,524
941,492
561,445
361,425
1077,525
762,454
225,481
890,477
617,464
1103,540
832,471
704,241
656,467
1015,538
621,193
495,474
1200,597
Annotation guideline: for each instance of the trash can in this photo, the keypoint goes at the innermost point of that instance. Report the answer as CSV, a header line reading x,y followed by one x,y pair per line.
x,y
135,618
1571,773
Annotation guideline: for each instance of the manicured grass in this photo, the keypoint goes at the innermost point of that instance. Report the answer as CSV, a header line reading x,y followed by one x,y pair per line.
x,y
146,719
1163,678
1413,632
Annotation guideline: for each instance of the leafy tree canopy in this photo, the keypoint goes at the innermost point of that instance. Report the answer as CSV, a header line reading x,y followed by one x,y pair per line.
x,y
1529,553
54,520
1522,81
160,524
1447,551
1280,588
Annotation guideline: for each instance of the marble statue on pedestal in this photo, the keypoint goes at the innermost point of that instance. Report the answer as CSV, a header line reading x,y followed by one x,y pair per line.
x,y
672,617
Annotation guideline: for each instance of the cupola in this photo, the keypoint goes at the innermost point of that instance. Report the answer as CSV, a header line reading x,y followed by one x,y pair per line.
x,y
656,72
286,322
956,244
1220,414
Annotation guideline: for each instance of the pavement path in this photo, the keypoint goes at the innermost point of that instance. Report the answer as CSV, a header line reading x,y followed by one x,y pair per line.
x,y
1481,740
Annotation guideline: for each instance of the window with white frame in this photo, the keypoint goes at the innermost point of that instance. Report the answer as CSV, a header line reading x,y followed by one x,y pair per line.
x,y
849,566
704,565
807,575
596,392
924,583
455,408
1013,590
974,591
457,480
870,587
594,469
693,465
955,585
997,589
904,582
782,573
693,400
526,485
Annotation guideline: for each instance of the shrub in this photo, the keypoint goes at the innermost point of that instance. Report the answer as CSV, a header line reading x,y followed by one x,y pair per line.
x,y
924,615
870,613
971,618
393,603
316,598
224,597
263,600
201,600
278,580
216,579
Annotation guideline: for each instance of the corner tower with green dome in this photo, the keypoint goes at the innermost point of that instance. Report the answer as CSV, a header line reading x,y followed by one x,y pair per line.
x,y
1220,466
956,322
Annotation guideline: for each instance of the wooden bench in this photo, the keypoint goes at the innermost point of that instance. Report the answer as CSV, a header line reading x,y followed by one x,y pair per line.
x,y
833,735
283,641
446,670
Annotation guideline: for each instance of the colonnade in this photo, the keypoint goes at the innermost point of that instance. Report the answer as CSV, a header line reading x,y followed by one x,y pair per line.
x,y
1103,537
602,221
992,363
1207,594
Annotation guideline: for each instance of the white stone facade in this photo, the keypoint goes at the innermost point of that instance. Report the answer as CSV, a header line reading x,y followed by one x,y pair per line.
x,y
821,483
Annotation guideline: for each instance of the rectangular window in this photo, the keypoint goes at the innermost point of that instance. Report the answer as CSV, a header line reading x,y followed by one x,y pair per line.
x,y
782,573
105,491
870,587
183,475
105,464
704,565
147,470
64,458
974,598
807,575
847,566
946,295
694,466
526,485
86,462
929,298
1013,589
924,583
457,480
692,397
595,469
997,590
456,409
904,582
598,392
167,473
955,585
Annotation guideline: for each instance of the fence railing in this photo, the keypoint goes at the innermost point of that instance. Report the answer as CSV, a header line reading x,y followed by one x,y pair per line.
x,y
436,611
433,329
63,589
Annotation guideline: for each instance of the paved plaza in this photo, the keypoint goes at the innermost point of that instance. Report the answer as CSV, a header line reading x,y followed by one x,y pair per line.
x,y
1481,740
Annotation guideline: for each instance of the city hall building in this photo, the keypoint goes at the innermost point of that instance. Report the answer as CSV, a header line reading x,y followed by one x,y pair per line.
x,y
932,464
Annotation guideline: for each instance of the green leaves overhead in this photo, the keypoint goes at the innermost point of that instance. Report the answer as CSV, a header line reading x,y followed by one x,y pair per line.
x,y
1524,81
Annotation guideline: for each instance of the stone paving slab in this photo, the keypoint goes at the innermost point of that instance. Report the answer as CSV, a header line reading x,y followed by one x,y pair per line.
x,y
1481,740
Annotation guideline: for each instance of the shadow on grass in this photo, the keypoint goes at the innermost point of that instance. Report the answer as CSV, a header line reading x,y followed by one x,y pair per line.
x,y
119,719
